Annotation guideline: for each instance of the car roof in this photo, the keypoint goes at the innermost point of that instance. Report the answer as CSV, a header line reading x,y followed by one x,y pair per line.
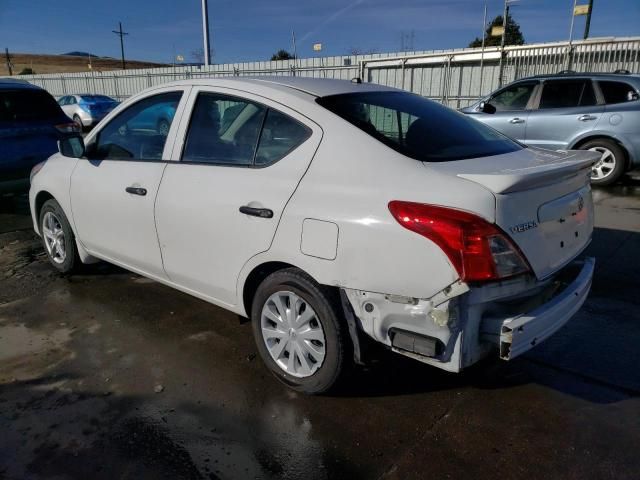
x,y
570,74
17,83
316,87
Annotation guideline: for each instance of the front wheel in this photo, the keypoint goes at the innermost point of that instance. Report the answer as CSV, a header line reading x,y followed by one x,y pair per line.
x,y
611,165
57,237
298,331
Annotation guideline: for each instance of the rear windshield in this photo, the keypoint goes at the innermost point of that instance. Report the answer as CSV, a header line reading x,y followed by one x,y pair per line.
x,y
19,105
96,99
417,127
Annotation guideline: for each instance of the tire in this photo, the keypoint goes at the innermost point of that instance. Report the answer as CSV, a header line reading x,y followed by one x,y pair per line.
x,y
54,228
321,342
78,121
612,163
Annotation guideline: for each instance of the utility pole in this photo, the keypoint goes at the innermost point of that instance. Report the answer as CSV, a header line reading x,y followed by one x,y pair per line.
x,y
484,34
205,33
295,52
121,34
9,65
502,40
588,22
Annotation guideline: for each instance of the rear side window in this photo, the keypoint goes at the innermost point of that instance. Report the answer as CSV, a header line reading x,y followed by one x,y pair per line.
x,y
567,94
417,127
27,105
227,130
617,92
223,130
280,135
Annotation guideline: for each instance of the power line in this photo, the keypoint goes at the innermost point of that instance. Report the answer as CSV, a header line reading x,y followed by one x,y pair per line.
x,y
121,34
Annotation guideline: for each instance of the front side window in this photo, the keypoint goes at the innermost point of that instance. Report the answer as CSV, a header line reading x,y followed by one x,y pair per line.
x,y
417,127
227,130
139,132
62,101
567,94
514,97
617,92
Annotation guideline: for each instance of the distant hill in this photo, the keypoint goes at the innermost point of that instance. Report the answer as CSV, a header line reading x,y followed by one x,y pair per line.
x,y
80,54
69,63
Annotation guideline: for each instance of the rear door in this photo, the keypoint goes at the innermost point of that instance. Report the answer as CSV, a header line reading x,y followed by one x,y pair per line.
x,y
512,105
566,109
240,162
113,191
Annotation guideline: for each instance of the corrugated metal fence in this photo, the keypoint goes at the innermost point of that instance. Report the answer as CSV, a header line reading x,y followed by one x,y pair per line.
x,y
453,77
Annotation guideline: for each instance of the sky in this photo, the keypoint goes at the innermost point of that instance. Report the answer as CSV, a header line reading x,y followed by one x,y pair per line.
x,y
252,30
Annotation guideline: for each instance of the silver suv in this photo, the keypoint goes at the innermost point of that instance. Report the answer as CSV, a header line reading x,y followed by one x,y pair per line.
x,y
587,111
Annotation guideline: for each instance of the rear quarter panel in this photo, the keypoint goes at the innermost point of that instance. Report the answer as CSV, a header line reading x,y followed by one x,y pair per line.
x,y
350,182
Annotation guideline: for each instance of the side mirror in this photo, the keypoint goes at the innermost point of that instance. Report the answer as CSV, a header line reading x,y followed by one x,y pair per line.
x,y
72,147
486,107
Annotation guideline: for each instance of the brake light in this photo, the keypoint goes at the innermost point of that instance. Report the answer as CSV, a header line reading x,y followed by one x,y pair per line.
x,y
70,127
478,250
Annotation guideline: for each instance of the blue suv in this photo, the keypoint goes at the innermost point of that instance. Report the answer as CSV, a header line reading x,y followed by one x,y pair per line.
x,y
587,111
31,123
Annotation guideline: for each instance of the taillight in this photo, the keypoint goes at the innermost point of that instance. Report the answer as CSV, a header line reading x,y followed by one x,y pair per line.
x,y
478,250
70,127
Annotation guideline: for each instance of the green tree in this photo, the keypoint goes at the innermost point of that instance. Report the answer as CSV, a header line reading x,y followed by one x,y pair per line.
x,y
27,71
513,36
282,55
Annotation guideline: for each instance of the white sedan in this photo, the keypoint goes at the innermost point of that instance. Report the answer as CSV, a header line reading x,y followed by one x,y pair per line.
x,y
329,212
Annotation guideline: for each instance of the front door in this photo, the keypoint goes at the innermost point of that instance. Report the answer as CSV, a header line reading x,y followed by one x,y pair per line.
x,y
113,191
512,105
221,203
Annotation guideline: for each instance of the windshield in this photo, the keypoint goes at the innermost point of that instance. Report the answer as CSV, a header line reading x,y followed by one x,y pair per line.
x,y
27,104
417,127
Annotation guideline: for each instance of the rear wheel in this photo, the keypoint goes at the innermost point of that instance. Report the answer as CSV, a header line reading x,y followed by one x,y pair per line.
x,y
298,331
57,237
611,165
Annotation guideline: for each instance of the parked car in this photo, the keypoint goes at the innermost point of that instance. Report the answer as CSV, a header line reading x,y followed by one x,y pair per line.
x,y
85,109
586,111
31,123
329,212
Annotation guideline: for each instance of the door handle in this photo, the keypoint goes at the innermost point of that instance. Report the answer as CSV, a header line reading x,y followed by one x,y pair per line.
x,y
586,118
136,191
256,212
516,120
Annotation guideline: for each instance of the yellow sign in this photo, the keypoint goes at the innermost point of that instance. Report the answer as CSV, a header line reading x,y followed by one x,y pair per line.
x,y
317,47
497,31
581,10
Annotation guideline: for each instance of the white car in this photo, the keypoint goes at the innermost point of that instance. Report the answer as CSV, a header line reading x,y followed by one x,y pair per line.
x,y
329,212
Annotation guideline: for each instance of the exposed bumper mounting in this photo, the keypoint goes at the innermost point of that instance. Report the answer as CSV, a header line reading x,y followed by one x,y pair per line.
x,y
523,332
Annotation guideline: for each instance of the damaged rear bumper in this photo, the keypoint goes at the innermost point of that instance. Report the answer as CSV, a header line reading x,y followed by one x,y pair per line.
x,y
463,324
523,332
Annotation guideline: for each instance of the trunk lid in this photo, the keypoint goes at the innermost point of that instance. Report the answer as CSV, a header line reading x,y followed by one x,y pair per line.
x,y
543,201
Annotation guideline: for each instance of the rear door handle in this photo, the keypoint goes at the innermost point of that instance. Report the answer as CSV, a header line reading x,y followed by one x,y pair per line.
x,y
516,120
586,118
136,191
256,212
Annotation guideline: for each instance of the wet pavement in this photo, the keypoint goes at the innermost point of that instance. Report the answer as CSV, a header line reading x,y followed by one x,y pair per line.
x,y
109,375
